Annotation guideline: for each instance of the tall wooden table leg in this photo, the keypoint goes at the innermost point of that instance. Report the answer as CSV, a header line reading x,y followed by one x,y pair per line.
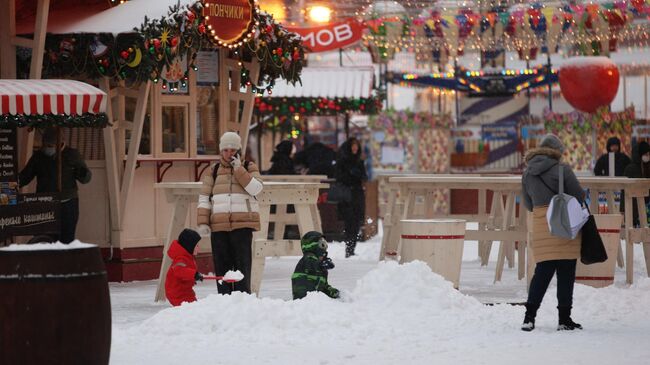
x,y
259,261
629,245
504,227
482,226
387,223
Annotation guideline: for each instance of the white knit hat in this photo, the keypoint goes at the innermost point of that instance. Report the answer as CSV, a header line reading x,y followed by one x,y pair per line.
x,y
230,140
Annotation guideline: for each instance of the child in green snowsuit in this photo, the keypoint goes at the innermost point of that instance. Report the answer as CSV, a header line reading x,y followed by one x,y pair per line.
x,y
311,272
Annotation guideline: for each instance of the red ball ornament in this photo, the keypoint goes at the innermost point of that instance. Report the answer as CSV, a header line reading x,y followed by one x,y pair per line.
x,y
124,54
174,41
589,83
156,43
292,109
269,29
190,16
201,28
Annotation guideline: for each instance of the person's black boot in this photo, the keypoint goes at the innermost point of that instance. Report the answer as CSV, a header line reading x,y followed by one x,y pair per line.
x,y
529,317
565,323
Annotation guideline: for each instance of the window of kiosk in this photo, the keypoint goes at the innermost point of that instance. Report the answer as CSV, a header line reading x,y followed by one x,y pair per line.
x,y
207,122
145,141
175,124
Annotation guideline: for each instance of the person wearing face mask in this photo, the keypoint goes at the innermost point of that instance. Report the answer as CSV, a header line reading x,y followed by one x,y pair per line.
x,y
639,169
43,166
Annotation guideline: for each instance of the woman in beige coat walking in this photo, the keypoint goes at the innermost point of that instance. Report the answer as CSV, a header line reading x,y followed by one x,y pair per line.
x,y
551,254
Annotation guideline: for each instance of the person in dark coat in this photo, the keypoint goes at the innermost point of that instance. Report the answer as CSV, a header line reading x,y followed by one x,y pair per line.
x,y
639,169
43,166
317,158
621,160
182,274
552,255
311,271
281,159
350,171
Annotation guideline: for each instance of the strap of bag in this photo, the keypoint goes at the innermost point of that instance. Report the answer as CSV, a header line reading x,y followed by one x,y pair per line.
x,y
561,178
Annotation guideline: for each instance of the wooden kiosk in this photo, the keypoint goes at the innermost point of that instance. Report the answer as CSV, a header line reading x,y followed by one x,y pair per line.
x,y
171,94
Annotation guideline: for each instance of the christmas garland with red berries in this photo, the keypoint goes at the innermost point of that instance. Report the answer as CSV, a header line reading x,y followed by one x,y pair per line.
x,y
144,54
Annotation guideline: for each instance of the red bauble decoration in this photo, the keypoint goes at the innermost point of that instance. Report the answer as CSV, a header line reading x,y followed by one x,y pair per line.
x,y
156,43
589,83
124,54
201,28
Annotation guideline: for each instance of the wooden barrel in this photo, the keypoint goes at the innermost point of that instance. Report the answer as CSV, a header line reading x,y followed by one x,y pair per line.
x,y
438,242
602,274
55,306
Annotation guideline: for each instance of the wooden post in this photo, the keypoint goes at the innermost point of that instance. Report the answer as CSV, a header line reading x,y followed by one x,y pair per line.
x,y
233,116
7,33
112,168
134,144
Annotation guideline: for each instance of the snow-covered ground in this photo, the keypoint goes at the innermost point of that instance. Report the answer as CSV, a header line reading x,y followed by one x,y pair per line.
x,y
389,314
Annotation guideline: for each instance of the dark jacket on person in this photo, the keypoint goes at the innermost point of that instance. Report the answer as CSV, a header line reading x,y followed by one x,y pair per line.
x,y
637,170
543,166
317,158
281,160
621,160
44,169
310,273
350,169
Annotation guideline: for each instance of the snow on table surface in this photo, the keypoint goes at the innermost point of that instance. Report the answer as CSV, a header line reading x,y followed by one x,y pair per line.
x,y
389,314
76,244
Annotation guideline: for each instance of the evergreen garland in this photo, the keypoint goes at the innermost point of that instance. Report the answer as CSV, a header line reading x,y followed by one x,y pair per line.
x,y
316,106
142,55
86,120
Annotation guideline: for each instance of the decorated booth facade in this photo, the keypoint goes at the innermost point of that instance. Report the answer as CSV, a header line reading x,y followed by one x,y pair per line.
x,y
176,79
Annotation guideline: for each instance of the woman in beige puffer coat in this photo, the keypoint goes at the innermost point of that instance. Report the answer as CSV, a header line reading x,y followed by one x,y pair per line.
x,y
229,212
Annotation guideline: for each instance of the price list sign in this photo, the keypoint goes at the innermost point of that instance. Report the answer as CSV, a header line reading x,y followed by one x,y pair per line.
x,y
8,164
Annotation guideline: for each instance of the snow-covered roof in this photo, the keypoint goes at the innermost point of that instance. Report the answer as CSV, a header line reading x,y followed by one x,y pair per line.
x,y
330,82
119,19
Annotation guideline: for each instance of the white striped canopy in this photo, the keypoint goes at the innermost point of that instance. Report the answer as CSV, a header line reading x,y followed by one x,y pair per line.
x,y
39,97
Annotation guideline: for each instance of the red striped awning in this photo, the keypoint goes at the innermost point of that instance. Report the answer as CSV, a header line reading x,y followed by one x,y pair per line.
x,y
40,97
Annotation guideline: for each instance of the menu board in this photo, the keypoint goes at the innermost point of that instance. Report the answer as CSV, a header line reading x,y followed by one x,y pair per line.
x,y
8,163
34,214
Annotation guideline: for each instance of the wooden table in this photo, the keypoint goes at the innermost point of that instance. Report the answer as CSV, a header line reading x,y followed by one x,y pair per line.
x,y
501,223
303,195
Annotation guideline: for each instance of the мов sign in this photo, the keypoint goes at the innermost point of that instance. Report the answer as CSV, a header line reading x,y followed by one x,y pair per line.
x,y
331,36
229,22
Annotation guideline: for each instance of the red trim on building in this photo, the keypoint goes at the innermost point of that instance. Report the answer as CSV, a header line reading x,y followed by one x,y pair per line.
x,y
143,263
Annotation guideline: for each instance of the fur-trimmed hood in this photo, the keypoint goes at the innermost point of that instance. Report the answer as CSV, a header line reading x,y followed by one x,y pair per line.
x,y
539,160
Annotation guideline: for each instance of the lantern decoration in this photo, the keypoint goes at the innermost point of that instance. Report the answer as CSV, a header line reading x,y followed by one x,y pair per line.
x,y
589,83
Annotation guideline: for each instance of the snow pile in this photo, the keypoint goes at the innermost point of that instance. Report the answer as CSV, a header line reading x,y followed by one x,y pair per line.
x,y
394,310
587,61
394,314
76,244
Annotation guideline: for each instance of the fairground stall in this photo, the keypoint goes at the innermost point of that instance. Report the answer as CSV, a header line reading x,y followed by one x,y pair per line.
x,y
320,111
39,104
177,76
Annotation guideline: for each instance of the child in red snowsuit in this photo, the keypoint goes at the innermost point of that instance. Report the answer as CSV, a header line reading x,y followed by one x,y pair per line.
x,y
182,274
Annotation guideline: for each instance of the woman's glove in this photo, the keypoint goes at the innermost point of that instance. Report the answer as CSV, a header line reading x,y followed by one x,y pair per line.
x,y
204,230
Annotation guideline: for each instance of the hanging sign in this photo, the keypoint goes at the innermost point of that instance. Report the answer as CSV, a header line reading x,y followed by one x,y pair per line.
x,y
330,36
229,22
